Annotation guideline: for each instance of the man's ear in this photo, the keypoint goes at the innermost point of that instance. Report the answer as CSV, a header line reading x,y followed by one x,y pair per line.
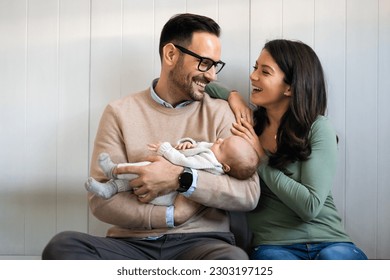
x,y
225,167
170,54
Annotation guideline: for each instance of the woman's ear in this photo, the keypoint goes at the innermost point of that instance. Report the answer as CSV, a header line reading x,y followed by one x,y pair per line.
x,y
225,167
287,92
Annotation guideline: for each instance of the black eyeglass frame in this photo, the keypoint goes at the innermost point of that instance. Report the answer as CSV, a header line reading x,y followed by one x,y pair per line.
x,y
201,60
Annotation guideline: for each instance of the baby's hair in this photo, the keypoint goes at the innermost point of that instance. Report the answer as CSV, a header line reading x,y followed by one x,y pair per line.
x,y
245,169
244,163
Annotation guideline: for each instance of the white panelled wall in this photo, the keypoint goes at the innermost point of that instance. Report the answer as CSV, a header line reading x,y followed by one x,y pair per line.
x,y
62,61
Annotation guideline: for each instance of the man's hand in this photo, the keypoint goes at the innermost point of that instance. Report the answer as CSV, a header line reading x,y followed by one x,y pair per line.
x,y
158,178
184,209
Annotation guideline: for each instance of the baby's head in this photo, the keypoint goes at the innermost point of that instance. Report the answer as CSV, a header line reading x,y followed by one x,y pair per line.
x,y
237,156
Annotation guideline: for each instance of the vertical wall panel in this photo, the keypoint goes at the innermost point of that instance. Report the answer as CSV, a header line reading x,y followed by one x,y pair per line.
x,y
138,46
41,125
329,42
361,122
203,7
106,65
235,44
265,24
383,244
72,155
298,20
12,125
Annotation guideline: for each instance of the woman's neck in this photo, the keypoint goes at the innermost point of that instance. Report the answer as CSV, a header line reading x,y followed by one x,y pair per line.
x,y
269,134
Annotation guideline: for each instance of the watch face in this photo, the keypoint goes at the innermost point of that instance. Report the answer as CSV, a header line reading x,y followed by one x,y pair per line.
x,y
186,179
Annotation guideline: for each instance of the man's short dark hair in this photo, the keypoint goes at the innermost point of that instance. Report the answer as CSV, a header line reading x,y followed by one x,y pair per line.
x,y
180,28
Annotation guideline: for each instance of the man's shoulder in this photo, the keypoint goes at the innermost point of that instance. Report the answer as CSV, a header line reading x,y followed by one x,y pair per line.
x,y
218,109
215,103
130,98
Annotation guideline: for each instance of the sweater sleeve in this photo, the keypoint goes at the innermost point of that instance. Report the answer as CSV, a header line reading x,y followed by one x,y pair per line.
x,y
123,209
306,195
174,156
226,192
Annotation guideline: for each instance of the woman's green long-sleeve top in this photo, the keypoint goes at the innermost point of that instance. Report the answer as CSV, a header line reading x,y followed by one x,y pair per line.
x,y
296,206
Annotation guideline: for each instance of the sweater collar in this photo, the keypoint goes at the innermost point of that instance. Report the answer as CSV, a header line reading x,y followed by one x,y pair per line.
x,y
163,102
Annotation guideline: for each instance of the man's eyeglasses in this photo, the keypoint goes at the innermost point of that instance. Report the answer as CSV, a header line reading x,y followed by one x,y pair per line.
x,y
205,63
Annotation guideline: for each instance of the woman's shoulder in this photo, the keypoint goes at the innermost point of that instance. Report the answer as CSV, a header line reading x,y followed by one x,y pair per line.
x,y
321,121
322,125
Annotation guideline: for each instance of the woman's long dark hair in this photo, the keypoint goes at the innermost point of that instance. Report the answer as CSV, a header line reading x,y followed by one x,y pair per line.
x,y
304,74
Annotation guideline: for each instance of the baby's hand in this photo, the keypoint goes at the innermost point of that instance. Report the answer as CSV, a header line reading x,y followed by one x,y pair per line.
x,y
184,145
154,147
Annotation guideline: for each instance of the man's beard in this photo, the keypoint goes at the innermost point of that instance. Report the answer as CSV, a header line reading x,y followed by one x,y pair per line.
x,y
180,84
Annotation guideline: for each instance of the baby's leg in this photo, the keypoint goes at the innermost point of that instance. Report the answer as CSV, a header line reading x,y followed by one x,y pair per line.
x,y
108,189
130,176
107,165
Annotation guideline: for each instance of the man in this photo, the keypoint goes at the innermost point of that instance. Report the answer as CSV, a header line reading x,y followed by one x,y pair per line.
x,y
175,106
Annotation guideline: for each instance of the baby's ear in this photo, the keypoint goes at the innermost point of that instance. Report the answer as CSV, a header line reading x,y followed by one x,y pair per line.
x,y
225,167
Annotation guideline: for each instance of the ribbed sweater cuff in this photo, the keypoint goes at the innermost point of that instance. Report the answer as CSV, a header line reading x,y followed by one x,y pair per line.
x,y
158,217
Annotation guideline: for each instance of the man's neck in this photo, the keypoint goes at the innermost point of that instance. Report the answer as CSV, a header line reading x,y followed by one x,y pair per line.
x,y
161,89
164,96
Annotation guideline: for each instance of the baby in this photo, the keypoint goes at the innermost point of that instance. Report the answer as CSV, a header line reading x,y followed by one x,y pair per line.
x,y
233,156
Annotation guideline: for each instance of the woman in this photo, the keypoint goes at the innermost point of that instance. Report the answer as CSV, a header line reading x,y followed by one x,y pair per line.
x,y
296,217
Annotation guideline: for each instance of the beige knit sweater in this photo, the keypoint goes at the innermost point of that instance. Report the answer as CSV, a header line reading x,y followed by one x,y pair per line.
x,y
127,126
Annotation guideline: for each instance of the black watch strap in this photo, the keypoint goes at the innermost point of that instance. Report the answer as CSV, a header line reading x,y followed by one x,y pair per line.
x,y
185,180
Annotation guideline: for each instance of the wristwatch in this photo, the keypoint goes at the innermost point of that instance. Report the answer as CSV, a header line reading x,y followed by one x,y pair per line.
x,y
185,180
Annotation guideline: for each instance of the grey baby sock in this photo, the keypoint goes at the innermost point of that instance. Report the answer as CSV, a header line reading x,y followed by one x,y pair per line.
x,y
107,165
108,189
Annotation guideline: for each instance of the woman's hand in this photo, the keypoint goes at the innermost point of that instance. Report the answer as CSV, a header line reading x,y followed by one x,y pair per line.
x,y
184,209
246,131
240,108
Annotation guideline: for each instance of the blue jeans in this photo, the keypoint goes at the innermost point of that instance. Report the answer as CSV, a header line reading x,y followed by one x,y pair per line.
x,y
309,251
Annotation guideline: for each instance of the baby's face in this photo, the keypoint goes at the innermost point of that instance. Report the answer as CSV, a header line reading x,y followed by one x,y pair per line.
x,y
227,148
218,149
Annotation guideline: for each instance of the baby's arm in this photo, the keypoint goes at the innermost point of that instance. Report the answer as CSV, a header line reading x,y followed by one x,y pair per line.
x,y
180,146
184,146
186,143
